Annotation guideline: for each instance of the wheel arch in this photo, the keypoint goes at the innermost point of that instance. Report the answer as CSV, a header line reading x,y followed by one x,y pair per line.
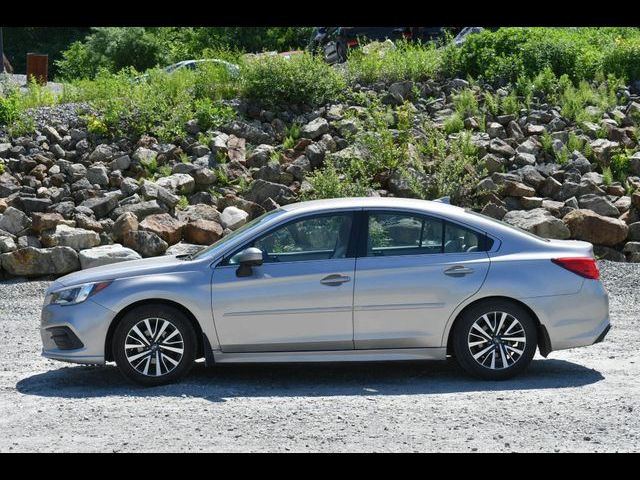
x,y
108,354
544,343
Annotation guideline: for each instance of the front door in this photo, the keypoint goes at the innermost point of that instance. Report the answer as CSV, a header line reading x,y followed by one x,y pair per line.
x,y
300,299
415,272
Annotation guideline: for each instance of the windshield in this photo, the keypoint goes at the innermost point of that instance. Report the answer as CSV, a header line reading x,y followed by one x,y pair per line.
x,y
253,223
508,225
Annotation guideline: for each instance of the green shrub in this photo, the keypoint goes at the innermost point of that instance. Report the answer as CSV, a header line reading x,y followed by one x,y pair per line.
x,y
10,108
620,164
466,104
607,176
510,104
454,123
329,182
408,61
211,115
303,78
623,59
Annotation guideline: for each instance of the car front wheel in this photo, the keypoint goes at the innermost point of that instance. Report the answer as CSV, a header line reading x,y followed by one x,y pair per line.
x,y
154,345
495,340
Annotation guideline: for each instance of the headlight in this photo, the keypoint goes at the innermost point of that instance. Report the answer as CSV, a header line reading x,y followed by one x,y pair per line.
x,y
77,294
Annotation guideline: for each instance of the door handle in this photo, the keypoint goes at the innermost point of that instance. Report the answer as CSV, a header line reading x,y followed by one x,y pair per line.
x,y
335,280
458,271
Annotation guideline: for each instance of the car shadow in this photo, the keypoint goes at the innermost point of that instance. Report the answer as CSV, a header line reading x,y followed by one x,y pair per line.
x,y
314,380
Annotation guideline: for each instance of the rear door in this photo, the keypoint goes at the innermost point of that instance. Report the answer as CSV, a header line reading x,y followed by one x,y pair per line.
x,y
412,272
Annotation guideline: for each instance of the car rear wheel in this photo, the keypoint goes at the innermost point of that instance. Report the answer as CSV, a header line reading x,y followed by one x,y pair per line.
x,y
154,345
495,340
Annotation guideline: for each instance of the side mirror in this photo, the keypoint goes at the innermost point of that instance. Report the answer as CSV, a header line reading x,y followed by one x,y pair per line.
x,y
248,258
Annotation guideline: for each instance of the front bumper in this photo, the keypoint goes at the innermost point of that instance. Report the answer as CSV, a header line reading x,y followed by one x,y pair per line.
x,y
75,333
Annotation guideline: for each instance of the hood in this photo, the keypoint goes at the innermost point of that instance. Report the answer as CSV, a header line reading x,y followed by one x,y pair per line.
x,y
130,268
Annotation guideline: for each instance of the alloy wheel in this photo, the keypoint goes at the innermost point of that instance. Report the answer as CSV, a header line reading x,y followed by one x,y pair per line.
x,y
497,340
154,347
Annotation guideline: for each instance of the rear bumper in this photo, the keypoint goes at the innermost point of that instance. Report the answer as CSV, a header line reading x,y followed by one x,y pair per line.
x,y
576,320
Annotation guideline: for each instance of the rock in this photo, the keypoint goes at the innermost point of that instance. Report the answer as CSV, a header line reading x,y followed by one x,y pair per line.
x,y
102,153
147,244
261,190
121,163
247,131
7,244
538,221
233,218
31,261
236,149
495,130
501,148
494,211
106,255
600,205
523,159
315,153
8,185
591,227
181,183
634,163
14,221
531,202
125,223
98,175
315,128
30,204
129,186
204,176
88,223
144,209
203,232
66,236
517,189
150,190
602,149
183,249
606,253
260,156
101,206
28,241
165,226
493,163
144,155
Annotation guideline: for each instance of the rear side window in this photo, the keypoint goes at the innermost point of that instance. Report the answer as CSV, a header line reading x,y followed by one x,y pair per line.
x,y
410,234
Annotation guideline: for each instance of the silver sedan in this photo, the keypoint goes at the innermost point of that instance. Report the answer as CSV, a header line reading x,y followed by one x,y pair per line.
x,y
356,279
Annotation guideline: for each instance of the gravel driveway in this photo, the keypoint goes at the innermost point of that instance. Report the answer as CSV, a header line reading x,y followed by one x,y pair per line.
x,y
582,400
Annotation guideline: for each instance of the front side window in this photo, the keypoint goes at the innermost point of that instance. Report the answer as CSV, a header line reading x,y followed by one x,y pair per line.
x,y
314,238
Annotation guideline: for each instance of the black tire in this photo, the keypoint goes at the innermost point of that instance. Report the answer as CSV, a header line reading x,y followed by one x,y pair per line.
x,y
462,340
178,321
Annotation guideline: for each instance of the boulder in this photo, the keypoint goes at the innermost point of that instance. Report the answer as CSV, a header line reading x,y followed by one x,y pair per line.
x,y
233,218
32,262
14,221
261,190
600,205
180,183
315,128
165,226
105,255
203,232
144,209
101,206
147,244
183,248
517,189
66,236
538,221
125,223
591,227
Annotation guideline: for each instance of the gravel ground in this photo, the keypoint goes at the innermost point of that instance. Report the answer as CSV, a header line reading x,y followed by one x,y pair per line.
x,y
578,400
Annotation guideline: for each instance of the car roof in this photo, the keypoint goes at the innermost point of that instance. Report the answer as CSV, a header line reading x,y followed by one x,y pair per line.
x,y
374,202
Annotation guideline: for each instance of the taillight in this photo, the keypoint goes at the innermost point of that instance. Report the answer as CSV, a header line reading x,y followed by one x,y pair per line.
x,y
584,266
352,43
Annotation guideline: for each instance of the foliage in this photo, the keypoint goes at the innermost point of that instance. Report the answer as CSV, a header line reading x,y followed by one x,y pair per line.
x,y
211,115
304,78
407,61
466,104
454,123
